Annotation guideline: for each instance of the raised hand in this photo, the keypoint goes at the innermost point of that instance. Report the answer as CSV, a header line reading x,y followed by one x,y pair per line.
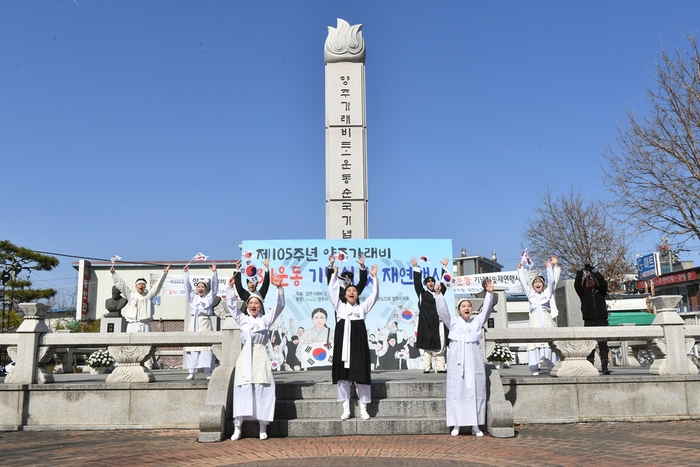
x,y
266,263
445,262
186,268
213,266
489,286
414,262
374,270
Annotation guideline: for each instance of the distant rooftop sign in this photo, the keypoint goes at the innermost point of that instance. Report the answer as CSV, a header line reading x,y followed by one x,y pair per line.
x,y
648,266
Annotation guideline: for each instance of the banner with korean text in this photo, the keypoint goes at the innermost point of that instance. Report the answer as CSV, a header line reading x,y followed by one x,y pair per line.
x,y
302,266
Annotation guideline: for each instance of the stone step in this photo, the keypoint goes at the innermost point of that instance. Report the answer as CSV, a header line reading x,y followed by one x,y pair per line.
x,y
380,390
381,408
314,427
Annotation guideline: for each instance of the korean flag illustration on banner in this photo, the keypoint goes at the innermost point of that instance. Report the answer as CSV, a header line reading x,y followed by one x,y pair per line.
x,y
248,256
317,354
425,259
341,257
404,315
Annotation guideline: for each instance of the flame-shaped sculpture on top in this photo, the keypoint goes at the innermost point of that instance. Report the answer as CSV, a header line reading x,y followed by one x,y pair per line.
x,y
344,43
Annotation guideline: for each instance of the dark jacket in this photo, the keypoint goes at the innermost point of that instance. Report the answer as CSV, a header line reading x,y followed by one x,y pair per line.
x,y
593,306
429,323
244,294
360,286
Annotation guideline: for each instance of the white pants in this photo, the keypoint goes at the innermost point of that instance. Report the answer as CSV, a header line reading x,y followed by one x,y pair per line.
x,y
364,391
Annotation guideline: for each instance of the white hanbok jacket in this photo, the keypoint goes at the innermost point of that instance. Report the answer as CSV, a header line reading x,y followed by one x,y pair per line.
x,y
201,308
254,386
139,311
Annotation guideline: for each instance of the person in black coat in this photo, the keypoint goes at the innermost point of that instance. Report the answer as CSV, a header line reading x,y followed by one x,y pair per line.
x,y
348,277
244,294
432,334
592,288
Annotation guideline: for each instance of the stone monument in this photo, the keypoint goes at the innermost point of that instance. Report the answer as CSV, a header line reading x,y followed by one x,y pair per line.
x,y
346,133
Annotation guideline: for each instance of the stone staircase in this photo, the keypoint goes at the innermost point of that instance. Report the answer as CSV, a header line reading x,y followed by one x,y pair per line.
x,y
310,409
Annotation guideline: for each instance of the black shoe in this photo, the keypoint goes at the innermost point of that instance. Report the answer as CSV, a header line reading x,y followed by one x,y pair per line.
x,y
426,371
442,371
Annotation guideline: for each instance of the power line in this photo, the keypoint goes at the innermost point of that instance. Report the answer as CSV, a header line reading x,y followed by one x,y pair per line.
x,y
97,259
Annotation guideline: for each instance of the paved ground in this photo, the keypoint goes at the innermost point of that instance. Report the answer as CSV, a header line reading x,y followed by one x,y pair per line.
x,y
599,444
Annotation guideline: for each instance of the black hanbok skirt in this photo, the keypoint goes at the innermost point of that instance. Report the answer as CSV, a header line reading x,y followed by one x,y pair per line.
x,y
359,371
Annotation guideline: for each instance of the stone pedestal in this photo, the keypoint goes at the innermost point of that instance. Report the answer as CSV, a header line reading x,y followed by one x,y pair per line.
x,y
573,362
130,364
112,323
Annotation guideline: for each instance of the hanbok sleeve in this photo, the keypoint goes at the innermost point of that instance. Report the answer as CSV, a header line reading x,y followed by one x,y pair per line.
x,y
373,296
417,286
334,291
552,277
188,286
279,306
265,284
156,290
522,277
214,284
121,285
443,310
232,304
362,283
486,309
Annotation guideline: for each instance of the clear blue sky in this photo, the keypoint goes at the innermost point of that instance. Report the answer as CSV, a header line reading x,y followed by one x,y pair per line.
x,y
157,129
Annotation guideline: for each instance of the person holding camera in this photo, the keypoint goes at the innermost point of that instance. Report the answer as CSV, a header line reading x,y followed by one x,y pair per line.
x,y
592,288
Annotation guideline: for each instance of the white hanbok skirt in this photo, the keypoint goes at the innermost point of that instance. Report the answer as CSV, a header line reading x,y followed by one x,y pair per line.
x,y
466,385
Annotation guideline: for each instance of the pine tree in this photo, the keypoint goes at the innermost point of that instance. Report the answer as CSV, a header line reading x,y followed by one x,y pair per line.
x,y
17,263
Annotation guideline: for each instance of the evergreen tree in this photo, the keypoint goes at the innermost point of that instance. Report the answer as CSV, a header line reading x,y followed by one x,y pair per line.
x,y
17,264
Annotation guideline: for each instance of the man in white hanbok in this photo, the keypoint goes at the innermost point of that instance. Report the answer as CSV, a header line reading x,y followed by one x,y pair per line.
x,y
254,386
139,311
201,310
466,368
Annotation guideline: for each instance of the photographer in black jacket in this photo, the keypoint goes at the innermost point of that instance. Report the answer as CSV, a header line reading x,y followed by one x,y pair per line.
x,y
592,288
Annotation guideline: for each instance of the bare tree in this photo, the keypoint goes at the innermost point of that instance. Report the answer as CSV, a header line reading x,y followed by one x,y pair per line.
x,y
654,172
578,232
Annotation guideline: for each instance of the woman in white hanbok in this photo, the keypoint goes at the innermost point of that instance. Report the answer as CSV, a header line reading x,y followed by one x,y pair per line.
x,y
254,386
466,368
201,310
541,315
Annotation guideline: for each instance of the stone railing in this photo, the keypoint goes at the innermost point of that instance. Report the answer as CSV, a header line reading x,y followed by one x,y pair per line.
x,y
32,346
670,339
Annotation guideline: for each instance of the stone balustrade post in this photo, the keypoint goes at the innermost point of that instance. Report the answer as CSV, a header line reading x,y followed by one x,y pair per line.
x,y
573,362
215,417
130,364
30,359
671,351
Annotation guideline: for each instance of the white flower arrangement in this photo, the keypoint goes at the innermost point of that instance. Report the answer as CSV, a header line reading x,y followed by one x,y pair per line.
x,y
500,353
99,359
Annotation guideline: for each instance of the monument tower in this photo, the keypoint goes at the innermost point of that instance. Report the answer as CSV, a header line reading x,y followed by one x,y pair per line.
x,y
346,133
